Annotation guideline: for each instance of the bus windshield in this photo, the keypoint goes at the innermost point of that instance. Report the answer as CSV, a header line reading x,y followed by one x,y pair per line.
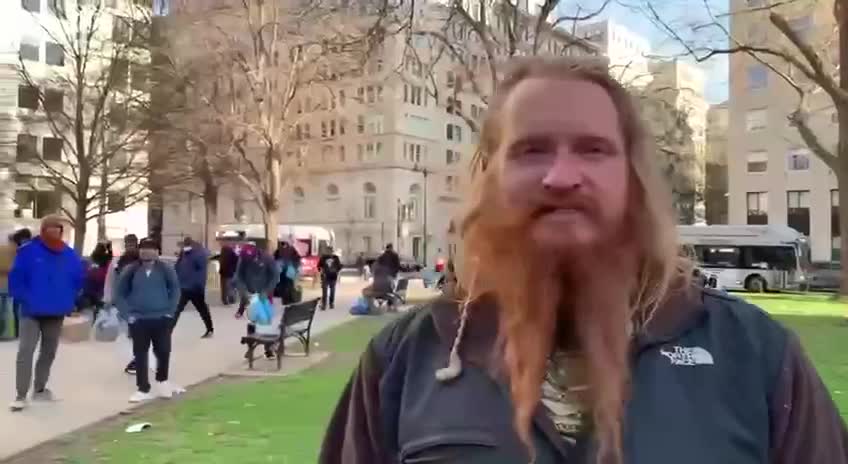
x,y
782,258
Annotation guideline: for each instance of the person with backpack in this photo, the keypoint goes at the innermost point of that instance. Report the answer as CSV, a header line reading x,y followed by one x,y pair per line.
x,y
129,256
146,296
330,265
191,269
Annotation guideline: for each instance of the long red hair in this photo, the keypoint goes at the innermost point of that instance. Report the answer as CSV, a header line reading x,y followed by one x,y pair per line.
x,y
594,298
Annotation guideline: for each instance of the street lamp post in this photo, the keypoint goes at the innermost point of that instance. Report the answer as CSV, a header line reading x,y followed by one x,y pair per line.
x,y
425,173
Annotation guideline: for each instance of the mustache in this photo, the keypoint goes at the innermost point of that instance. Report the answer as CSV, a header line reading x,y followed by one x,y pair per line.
x,y
542,205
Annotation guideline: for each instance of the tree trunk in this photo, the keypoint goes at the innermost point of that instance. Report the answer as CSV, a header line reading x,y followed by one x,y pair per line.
x,y
270,221
210,205
80,226
841,12
103,198
271,207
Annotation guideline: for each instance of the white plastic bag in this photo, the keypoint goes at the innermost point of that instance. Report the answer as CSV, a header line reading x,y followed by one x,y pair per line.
x,y
107,326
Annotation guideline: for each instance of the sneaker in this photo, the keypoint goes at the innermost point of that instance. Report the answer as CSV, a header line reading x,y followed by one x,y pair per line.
x,y
167,390
269,355
43,395
141,397
130,369
18,405
208,334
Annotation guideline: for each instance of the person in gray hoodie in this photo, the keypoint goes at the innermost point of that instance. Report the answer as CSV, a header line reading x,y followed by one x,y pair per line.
x,y
146,296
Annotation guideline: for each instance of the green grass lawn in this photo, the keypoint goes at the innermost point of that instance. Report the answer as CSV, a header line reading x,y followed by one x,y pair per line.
x,y
271,421
282,420
818,320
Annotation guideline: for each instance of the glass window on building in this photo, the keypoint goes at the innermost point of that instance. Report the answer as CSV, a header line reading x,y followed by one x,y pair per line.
x,y
756,120
798,210
757,204
757,77
757,161
798,159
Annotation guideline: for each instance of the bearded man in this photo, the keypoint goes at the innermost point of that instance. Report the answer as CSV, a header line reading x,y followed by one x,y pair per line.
x,y
584,341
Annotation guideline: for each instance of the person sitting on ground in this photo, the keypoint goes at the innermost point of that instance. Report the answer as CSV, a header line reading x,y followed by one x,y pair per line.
x,y
146,296
382,287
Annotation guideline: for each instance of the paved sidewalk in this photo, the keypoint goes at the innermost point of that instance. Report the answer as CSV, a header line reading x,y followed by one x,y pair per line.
x,y
90,382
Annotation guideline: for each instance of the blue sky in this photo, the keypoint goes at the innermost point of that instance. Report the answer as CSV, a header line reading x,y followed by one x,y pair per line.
x,y
681,15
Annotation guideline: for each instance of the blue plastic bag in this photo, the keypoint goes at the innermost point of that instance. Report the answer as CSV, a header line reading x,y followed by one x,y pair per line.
x,y
291,272
360,307
260,311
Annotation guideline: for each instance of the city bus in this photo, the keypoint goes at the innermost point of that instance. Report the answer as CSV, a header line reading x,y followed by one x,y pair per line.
x,y
308,240
746,257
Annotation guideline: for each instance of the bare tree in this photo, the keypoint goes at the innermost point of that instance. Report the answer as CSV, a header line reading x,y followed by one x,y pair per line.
x,y
466,49
93,101
673,138
278,62
808,63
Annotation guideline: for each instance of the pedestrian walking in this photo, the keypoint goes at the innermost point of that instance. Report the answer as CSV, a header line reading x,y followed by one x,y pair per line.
x,y
116,267
329,265
227,262
288,262
192,265
46,278
362,266
16,240
586,342
146,295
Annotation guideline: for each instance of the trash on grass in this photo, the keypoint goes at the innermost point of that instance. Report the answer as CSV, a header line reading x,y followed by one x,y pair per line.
x,y
140,427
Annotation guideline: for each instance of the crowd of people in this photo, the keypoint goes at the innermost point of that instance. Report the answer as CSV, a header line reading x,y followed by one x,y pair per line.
x,y
48,281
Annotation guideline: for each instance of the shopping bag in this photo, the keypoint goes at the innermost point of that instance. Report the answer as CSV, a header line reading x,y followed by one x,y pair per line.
x,y
107,326
260,311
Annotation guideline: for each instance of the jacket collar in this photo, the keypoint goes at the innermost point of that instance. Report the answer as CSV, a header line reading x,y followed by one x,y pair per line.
x,y
681,312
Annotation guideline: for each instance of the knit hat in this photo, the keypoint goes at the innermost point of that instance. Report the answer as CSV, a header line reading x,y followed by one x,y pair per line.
x,y
130,241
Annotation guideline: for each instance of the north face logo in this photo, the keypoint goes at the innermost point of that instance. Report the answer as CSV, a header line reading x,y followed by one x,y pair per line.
x,y
688,356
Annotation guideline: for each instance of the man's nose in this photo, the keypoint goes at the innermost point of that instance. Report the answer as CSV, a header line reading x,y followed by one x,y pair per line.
x,y
565,173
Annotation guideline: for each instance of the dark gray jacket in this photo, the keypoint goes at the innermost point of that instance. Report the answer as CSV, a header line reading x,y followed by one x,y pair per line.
x,y
748,396
143,295
257,275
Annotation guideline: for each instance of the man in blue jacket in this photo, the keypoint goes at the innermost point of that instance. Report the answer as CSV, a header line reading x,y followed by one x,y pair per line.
x,y
191,270
45,279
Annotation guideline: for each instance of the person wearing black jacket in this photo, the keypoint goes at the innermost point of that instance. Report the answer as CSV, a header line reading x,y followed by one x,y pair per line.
x,y
390,261
227,262
330,265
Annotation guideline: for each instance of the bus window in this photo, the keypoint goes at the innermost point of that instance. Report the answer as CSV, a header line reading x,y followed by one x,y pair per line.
x,y
728,257
781,258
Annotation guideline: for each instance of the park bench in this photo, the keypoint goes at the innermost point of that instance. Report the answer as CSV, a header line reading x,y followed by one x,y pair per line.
x,y
296,322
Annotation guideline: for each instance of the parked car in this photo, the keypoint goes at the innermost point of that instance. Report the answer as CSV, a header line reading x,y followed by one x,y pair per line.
x,y
824,276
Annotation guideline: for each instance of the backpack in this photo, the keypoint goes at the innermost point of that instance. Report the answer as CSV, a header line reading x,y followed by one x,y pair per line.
x,y
157,265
